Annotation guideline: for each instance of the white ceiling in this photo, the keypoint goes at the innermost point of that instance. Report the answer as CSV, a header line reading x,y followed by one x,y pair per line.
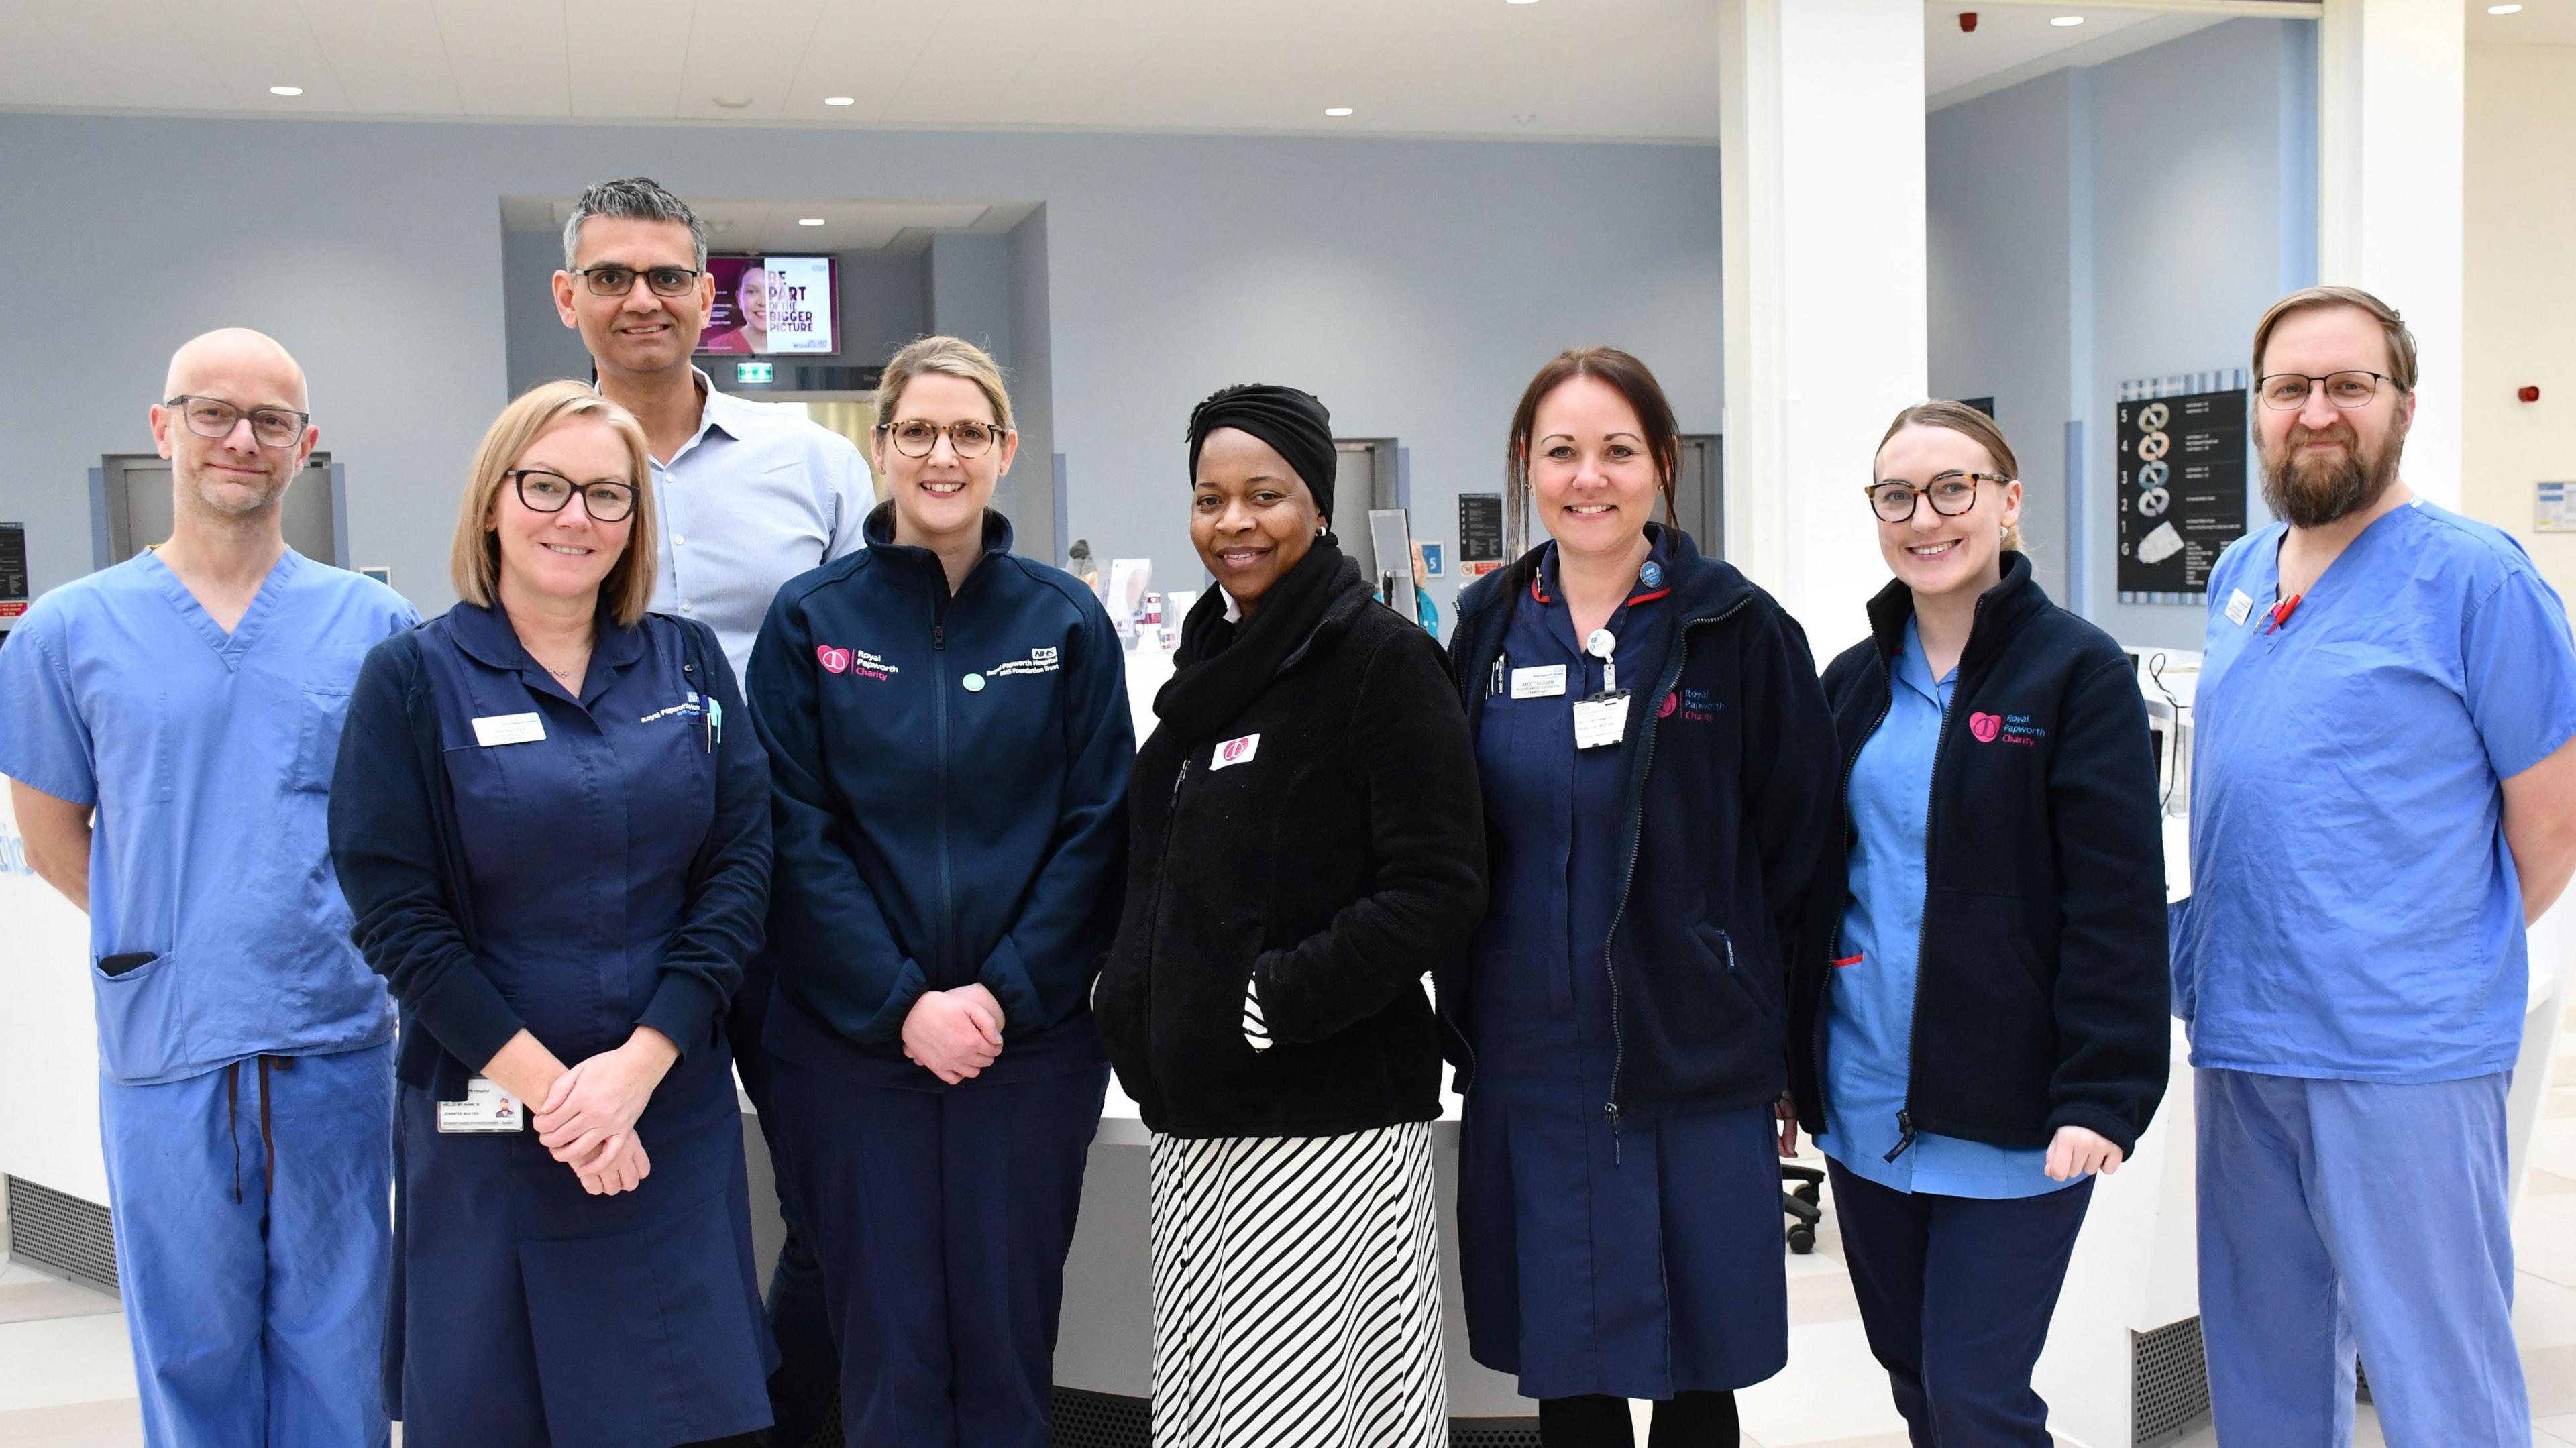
x,y
1633,69
1624,69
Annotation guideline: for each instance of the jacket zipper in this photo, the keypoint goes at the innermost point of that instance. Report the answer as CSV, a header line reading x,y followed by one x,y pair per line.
x,y
939,690
1628,875
1154,919
1923,926
1825,995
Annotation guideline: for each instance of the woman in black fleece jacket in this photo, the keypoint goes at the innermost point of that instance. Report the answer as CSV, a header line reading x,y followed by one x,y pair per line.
x,y
1306,843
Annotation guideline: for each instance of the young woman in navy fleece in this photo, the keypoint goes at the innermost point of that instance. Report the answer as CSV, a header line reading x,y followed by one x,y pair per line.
x,y
1989,1029
949,743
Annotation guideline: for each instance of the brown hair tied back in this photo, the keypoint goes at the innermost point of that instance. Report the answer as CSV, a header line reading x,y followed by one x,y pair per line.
x,y
1634,382
1975,426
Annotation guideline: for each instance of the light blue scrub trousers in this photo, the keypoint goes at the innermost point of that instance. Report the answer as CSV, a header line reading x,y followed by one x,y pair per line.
x,y
255,1284
2337,1215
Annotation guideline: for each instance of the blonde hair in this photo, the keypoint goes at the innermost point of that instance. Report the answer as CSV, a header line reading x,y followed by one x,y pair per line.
x,y
1973,425
2401,342
949,357
474,564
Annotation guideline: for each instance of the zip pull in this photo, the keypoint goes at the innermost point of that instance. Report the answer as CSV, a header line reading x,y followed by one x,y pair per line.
x,y
1905,1135
1611,1110
1494,685
1179,779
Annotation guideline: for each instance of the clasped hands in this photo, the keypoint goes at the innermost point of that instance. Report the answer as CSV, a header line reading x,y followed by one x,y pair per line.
x,y
954,1034
585,1114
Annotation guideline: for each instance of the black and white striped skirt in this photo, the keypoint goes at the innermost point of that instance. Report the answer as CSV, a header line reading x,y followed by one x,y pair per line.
x,y
1297,1292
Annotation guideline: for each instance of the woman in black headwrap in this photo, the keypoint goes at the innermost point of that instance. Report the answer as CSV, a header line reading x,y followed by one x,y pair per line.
x,y
1306,841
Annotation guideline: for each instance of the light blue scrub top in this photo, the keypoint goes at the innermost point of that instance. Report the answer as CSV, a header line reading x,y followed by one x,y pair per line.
x,y
1869,1015
2355,913
209,760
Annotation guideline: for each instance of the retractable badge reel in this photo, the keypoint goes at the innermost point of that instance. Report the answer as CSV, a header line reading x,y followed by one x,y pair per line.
x,y
1601,720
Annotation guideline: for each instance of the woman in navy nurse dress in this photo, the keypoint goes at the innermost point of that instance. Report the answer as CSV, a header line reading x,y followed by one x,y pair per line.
x,y
1619,1025
560,863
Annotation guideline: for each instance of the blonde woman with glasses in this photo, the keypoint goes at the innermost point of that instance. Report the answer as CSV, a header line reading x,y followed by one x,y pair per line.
x,y
552,825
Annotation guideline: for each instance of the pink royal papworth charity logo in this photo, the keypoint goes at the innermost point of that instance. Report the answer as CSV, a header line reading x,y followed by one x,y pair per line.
x,y
1985,727
835,660
1665,709
1234,749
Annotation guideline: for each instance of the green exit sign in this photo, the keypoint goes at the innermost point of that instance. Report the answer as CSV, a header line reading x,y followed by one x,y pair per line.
x,y
753,372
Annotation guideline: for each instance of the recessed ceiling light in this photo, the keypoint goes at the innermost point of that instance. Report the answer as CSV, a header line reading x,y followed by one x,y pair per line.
x,y
809,221
297,90
1337,110
1520,2
732,103
2062,21
2504,10
840,100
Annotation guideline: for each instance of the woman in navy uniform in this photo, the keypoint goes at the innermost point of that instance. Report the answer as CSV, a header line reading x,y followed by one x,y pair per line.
x,y
948,731
557,852
1655,754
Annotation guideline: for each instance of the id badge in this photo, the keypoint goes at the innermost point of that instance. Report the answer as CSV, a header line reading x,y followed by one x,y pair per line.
x,y
1601,721
486,1107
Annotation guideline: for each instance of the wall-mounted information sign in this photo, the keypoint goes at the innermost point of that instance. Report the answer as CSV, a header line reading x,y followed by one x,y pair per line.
x,y
13,570
2181,479
2555,514
1480,527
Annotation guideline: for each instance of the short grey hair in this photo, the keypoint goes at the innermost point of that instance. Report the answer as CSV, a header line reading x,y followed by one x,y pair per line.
x,y
636,198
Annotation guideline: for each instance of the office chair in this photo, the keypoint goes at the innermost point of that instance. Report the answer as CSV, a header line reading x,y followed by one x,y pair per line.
x,y
1802,1205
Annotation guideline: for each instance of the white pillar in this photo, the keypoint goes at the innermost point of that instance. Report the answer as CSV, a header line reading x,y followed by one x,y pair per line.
x,y
1821,146
2391,155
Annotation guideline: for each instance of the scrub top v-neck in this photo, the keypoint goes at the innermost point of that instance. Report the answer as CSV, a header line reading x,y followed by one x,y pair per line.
x,y
2355,913
208,756
1869,1047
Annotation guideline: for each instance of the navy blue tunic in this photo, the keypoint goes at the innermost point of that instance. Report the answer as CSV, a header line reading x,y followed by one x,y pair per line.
x,y
1641,1263
528,1311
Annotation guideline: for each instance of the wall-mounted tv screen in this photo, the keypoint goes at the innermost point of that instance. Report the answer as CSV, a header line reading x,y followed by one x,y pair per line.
x,y
774,306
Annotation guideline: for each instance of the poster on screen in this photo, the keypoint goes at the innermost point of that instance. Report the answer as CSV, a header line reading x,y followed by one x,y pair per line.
x,y
769,306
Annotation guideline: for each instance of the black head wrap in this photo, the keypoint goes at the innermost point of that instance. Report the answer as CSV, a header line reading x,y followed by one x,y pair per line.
x,y
1294,423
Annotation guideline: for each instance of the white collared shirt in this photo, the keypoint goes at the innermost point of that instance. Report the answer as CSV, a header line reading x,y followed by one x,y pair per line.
x,y
759,495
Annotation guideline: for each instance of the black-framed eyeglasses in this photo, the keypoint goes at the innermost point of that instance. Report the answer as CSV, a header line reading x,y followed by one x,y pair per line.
x,y
213,417
2288,391
617,281
1952,494
546,491
914,438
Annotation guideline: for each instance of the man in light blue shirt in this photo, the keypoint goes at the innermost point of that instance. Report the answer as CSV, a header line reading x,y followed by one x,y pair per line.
x,y
191,698
751,495
2384,793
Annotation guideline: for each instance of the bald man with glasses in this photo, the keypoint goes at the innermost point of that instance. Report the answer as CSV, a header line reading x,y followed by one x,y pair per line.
x,y
168,727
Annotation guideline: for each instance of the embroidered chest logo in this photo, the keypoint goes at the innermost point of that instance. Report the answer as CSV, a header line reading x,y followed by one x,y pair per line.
x,y
2006,728
1696,706
1039,661
853,661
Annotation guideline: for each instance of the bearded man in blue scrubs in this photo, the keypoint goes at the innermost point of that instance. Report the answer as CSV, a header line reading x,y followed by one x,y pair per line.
x,y
168,726
2384,794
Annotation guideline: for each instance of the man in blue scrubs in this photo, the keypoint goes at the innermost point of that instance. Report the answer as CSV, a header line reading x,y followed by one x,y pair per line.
x,y
191,697
2384,793
751,494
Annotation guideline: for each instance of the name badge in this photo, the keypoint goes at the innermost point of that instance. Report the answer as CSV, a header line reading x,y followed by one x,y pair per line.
x,y
2240,606
1601,720
1235,751
486,1107
1538,683
496,729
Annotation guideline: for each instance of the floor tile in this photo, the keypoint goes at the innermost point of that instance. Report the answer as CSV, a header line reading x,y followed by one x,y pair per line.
x,y
1830,1391
2540,1182
76,1425
2550,1374
66,1361
2544,1313
2554,1431
43,1300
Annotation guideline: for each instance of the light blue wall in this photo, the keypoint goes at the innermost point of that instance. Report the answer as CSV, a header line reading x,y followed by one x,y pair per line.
x,y
2131,219
1413,285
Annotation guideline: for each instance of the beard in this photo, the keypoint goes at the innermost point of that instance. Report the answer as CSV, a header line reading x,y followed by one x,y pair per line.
x,y
2311,492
